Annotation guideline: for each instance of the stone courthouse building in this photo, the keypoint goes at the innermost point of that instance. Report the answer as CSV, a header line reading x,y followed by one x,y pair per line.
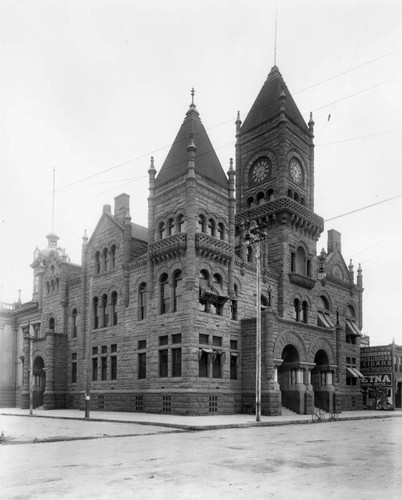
x,y
163,319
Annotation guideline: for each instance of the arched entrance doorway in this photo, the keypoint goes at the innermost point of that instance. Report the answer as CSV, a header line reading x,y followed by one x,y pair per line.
x,y
290,379
39,381
322,381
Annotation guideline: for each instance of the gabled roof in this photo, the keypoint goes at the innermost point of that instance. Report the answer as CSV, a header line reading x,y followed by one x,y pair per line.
x,y
206,160
139,232
267,105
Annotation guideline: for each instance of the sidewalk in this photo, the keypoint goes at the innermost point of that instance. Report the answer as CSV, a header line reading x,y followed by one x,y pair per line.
x,y
192,423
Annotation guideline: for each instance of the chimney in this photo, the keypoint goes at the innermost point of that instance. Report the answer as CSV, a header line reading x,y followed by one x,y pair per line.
x,y
334,241
121,207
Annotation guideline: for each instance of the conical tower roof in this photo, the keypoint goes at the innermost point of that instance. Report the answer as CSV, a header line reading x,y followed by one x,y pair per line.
x,y
267,105
206,160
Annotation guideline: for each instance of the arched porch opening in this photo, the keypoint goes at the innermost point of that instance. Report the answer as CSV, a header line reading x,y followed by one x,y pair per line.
x,y
39,381
322,381
290,379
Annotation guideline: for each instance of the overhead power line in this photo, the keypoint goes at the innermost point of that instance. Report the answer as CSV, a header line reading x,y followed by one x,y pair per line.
x,y
364,208
147,155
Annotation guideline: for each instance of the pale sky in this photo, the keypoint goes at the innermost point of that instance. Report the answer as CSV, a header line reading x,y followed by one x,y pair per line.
x,y
93,88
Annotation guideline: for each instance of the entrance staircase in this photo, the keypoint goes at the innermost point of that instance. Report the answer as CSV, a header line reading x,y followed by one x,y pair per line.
x,y
286,412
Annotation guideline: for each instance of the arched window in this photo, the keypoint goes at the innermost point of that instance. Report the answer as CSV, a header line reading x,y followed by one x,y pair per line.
x,y
57,284
302,201
161,230
323,312
350,311
296,197
221,231
74,323
177,290
97,263
270,195
114,308
250,255
48,287
260,198
301,261
250,202
170,227
304,317
105,259
203,291
290,193
52,286
180,223
51,322
142,301
165,294
113,257
201,223
95,306
105,311
233,310
296,308
211,227
264,302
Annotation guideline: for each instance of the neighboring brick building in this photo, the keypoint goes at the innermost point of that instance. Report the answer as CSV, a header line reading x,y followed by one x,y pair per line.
x,y
381,367
164,319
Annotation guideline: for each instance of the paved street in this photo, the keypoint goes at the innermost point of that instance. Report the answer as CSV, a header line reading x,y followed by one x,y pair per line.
x,y
361,459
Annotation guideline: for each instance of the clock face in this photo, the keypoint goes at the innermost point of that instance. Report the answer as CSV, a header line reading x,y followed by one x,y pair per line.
x,y
296,172
260,170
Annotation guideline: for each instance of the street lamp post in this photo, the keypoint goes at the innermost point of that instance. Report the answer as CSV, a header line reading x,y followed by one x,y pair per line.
x,y
31,338
254,236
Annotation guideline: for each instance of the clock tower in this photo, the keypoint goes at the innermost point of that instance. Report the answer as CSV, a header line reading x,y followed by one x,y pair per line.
x,y
275,185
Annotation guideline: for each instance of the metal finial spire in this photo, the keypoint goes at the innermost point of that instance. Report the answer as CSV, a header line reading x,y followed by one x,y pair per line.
x,y
192,96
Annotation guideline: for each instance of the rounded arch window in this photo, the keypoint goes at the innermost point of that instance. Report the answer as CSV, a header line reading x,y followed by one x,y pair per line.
x,y
105,259
170,227
177,290
290,193
221,231
350,311
142,300
250,202
201,223
211,227
164,294
260,198
97,263
270,194
74,315
180,223
296,309
113,256
296,196
161,230
300,260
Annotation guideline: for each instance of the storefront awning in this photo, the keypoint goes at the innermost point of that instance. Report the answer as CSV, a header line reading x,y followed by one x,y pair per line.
x,y
323,320
352,328
354,372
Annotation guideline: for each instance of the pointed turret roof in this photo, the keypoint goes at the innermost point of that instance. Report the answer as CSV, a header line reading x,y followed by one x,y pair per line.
x,y
206,160
268,103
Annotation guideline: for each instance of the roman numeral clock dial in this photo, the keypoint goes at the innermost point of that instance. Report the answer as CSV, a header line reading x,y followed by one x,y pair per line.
x,y
260,170
296,172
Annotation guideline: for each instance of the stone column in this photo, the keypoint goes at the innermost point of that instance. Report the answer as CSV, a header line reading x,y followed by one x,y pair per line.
x,y
49,395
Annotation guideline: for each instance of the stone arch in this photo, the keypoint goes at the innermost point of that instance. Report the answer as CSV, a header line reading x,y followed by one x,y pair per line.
x,y
290,338
39,378
321,343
